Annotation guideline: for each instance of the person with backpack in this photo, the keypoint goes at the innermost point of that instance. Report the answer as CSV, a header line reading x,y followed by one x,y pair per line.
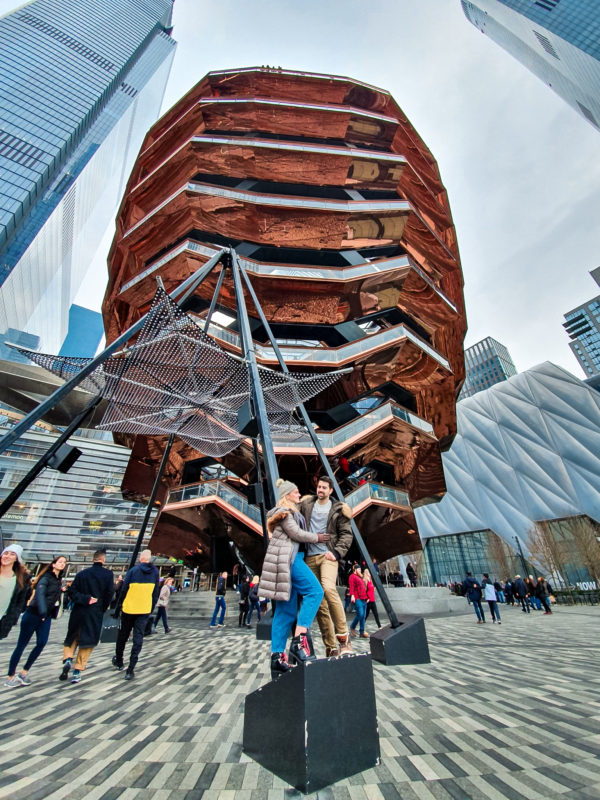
x,y
42,608
220,601
472,589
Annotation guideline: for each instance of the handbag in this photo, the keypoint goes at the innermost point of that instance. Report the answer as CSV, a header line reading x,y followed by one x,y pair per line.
x,y
110,627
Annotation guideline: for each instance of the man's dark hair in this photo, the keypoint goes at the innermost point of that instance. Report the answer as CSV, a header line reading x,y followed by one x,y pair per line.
x,y
468,574
325,479
99,554
486,575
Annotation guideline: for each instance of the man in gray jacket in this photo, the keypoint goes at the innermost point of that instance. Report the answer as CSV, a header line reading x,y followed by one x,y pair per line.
x,y
323,515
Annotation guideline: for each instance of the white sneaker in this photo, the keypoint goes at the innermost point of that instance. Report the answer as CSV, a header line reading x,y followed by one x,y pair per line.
x,y
13,682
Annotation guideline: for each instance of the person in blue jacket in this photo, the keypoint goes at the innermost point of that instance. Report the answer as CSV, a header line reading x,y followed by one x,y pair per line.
x,y
472,590
139,593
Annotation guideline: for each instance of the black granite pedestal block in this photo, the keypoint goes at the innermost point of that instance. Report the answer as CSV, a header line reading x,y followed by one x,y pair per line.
x,y
406,644
315,725
263,628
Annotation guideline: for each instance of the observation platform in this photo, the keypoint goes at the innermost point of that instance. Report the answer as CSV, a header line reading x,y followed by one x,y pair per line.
x,y
500,713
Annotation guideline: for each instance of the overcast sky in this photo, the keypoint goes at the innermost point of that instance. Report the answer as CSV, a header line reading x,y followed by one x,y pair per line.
x,y
522,169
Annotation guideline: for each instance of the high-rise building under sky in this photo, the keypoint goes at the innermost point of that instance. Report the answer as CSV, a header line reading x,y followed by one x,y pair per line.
x,y
80,83
583,326
558,40
488,362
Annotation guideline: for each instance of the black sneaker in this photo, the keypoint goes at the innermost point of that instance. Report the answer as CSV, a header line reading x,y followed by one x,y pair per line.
x,y
65,670
129,675
116,664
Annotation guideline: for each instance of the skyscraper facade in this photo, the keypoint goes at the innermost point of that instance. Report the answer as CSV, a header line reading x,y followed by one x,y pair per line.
x,y
488,362
583,326
558,40
80,83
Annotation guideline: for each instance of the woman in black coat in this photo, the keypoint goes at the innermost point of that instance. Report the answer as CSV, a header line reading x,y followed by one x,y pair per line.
x,y
38,616
14,587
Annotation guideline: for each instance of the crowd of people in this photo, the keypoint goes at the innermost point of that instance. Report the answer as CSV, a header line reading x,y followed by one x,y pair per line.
x,y
529,593
89,597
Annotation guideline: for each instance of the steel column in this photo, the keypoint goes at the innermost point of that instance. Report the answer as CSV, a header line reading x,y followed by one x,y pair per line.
x,y
317,444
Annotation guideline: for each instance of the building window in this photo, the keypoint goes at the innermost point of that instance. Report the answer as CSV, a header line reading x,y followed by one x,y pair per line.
x,y
546,44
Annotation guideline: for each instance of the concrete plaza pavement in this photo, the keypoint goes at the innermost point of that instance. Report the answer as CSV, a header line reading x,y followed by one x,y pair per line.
x,y
506,711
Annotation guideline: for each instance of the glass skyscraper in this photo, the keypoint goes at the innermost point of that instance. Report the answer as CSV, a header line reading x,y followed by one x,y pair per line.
x,y
488,362
583,326
558,40
80,83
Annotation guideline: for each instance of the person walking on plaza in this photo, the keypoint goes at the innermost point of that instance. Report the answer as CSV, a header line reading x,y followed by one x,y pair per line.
x,y
285,577
162,605
411,575
90,595
139,593
220,602
472,590
358,595
533,598
543,590
371,604
42,608
323,515
520,592
253,599
244,587
490,595
14,587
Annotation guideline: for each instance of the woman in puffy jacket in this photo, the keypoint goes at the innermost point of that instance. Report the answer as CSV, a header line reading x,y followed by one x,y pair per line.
x,y
285,576
41,610
14,587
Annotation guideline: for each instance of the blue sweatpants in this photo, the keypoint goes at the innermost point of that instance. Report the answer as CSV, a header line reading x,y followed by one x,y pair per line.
x,y
305,584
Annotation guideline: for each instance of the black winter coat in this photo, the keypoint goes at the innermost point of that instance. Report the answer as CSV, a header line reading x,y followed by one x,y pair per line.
x,y
85,622
48,592
15,608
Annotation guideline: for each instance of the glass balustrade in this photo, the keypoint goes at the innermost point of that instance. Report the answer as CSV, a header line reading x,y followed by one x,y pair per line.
x,y
365,492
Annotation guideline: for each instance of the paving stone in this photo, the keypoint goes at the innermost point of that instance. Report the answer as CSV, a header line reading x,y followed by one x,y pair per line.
x,y
488,718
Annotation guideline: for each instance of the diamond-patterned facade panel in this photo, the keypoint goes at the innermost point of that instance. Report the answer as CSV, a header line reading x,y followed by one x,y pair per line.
x,y
507,475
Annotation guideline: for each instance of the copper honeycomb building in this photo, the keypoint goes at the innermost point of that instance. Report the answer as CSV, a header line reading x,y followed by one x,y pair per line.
x,y
337,210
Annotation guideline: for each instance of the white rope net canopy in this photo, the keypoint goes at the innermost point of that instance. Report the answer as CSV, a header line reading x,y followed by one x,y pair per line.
x,y
176,379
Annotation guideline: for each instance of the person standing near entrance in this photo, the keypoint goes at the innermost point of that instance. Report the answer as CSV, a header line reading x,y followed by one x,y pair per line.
x,y
139,593
220,602
323,515
91,593
520,590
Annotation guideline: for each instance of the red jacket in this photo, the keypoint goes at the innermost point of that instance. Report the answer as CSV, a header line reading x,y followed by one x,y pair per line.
x,y
357,587
370,591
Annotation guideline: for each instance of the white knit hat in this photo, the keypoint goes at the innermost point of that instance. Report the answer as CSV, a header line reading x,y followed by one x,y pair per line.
x,y
15,548
284,488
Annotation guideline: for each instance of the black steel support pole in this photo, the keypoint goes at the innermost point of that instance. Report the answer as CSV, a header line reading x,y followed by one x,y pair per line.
x,y
317,444
184,289
258,400
261,504
42,462
150,506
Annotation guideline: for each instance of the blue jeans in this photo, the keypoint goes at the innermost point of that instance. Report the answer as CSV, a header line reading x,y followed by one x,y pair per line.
x,y
161,613
494,610
30,623
501,596
305,584
478,610
360,614
254,606
219,604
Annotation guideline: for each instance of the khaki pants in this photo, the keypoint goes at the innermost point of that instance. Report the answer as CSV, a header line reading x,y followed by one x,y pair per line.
x,y
330,616
83,655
